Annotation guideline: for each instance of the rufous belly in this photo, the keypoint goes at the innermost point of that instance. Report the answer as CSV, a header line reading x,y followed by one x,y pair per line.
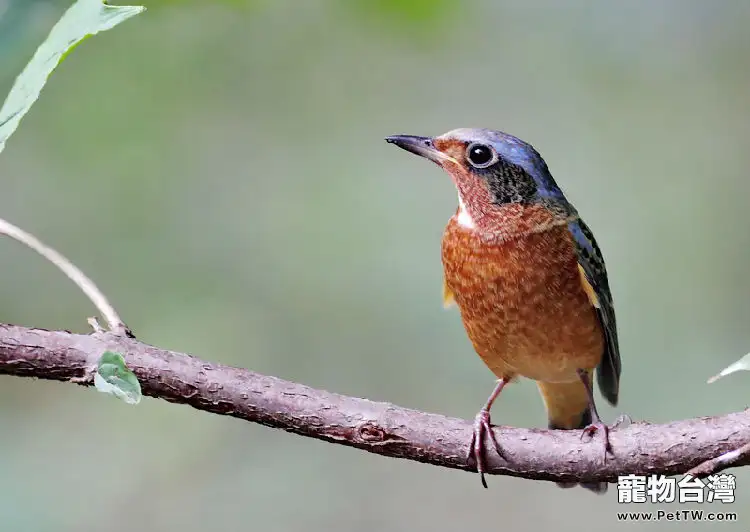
x,y
522,302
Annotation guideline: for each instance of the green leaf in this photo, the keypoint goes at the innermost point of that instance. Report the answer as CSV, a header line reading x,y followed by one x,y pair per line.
x,y
83,19
113,377
741,364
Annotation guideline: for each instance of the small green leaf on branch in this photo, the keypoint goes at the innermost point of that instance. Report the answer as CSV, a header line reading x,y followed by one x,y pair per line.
x,y
113,377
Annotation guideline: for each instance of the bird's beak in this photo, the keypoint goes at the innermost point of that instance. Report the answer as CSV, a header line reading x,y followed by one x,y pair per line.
x,y
422,146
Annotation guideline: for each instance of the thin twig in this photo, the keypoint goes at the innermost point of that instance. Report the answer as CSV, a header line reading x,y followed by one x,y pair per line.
x,y
722,462
87,286
382,428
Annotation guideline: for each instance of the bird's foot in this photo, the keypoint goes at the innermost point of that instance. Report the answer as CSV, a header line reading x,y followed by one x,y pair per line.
x,y
598,426
482,432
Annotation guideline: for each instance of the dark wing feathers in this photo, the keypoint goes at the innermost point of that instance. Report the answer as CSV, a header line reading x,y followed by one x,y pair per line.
x,y
591,260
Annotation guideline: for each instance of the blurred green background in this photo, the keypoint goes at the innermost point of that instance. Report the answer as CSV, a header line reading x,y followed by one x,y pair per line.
x,y
219,170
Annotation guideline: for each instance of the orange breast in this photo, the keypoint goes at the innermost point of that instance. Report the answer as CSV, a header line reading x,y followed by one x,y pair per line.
x,y
522,302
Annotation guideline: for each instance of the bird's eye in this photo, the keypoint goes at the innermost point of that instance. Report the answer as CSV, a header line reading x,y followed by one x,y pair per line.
x,y
480,155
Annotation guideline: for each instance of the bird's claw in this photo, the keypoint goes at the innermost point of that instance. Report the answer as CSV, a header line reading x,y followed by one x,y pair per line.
x,y
598,426
482,429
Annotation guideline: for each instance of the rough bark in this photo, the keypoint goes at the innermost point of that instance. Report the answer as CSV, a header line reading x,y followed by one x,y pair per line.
x,y
382,428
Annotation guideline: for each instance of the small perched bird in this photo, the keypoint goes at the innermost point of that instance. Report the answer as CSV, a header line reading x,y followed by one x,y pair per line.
x,y
528,278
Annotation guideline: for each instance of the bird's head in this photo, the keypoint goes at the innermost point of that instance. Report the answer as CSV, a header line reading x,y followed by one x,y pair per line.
x,y
492,171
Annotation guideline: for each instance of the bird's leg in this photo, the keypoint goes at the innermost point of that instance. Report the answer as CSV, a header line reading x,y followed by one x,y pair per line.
x,y
482,429
596,424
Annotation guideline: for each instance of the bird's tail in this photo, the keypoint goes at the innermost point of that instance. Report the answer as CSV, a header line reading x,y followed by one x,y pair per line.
x,y
568,408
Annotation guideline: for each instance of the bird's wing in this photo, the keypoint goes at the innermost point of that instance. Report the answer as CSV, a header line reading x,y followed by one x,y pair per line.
x,y
596,285
448,298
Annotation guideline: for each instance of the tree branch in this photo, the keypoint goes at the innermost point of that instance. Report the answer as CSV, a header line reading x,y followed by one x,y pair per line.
x,y
382,428
722,462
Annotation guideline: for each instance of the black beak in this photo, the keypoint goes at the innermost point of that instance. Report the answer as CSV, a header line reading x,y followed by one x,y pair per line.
x,y
421,146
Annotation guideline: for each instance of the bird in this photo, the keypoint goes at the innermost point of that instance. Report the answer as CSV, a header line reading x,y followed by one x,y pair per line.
x,y
529,281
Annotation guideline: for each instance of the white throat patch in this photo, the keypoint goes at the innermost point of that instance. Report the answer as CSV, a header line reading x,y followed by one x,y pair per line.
x,y
464,218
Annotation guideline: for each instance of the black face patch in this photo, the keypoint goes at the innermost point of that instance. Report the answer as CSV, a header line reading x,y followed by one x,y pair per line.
x,y
508,183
